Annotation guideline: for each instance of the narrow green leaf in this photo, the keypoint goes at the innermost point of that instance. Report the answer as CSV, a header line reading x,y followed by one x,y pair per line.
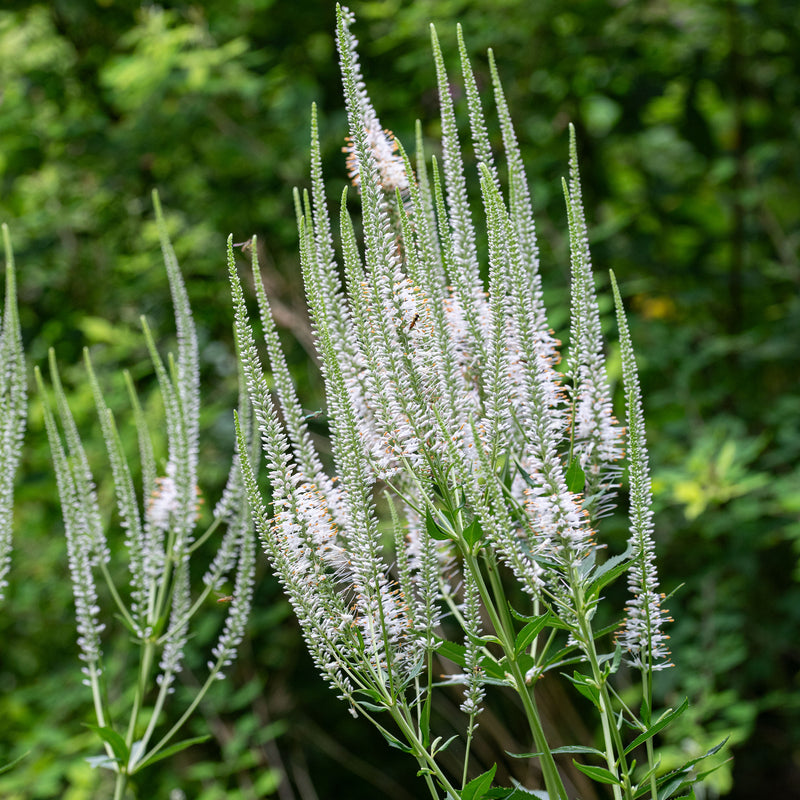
x,y
516,793
395,742
425,720
553,621
572,749
437,748
170,751
477,787
493,668
681,773
451,651
583,685
12,764
671,788
616,660
455,652
473,533
575,477
434,530
660,725
530,632
599,774
610,570
114,740
371,706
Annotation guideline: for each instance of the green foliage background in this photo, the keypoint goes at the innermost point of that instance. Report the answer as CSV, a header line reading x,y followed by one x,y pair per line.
x,y
688,120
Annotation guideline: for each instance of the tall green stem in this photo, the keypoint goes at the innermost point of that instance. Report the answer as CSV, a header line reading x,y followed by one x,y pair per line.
x,y
120,785
611,737
497,608
424,758
647,689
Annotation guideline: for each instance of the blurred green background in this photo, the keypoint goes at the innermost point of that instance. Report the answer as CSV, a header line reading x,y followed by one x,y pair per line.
x,y
688,122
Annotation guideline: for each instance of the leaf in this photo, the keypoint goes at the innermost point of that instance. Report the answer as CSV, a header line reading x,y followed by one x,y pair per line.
x,y
573,749
434,530
436,749
493,668
583,685
526,477
662,723
616,660
679,778
452,651
12,764
477,787
670,789
575,477
599,774
114,740
610,570
370,706
396,743
553,622
530,632
170,751
425,720
516,793
683,771
455,652
473,533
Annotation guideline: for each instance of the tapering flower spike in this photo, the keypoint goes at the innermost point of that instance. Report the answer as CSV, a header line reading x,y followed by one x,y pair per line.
x,y
13,406
642,635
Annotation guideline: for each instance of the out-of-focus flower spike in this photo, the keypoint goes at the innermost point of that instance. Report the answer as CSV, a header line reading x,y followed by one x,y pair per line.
x,y
185,437
80,514
130,518
83,480
13,406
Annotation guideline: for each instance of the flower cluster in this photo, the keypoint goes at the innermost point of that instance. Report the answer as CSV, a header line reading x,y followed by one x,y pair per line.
x,y
449,407
161,539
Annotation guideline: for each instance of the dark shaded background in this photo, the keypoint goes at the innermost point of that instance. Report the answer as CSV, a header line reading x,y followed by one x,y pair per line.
x,y
688,121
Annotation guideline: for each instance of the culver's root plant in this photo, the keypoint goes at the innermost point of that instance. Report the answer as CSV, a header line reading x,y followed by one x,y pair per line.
x,y
157,609
448,406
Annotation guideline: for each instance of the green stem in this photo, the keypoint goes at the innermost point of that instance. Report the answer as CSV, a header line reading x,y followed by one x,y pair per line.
x,y
424,758
141,688
198,543
123,610
552,780
428,778
470,733
647,688
120,785
212,676
611,737
504,628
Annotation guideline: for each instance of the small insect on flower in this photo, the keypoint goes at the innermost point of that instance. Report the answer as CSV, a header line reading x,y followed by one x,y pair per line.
x,y
246,245
413,322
